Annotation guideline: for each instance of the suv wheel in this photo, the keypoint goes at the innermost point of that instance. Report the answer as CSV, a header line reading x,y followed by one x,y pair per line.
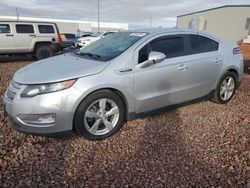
x,y
43,52
225,88
100,115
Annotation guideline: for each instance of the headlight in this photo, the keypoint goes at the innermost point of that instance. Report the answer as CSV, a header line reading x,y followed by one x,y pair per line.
x,y
33,90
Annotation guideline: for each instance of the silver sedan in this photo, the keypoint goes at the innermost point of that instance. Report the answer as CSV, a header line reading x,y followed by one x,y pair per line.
x,y
121,77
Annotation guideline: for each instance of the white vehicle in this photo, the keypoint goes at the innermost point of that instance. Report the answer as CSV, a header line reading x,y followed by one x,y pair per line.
x,y
39,39
85,41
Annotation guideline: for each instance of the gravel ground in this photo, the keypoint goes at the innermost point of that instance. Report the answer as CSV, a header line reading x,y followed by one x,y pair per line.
x,y
200,145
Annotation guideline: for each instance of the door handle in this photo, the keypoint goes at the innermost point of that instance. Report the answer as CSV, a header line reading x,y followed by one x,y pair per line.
x,y
32,35
182,67
123,71
10,35
217,60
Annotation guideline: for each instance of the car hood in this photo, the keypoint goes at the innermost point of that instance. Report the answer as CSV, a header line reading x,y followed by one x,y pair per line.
x,y
59,68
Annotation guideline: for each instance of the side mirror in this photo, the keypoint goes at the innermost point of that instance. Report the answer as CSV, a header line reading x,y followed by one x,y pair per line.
x,y
153,58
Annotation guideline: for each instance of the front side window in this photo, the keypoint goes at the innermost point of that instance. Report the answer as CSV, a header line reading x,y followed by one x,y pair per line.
x,y
4,28
108,33
201,44
46,29
24,28
170,46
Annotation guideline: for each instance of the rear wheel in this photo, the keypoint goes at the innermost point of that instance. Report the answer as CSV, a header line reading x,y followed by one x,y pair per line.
x,y
100,115
225,88
43,52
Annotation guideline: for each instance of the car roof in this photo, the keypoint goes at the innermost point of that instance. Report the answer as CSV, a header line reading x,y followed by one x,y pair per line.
x,y
159,31
154,31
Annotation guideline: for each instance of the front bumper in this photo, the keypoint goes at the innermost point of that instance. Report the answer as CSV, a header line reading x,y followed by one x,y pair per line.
x,y
62,103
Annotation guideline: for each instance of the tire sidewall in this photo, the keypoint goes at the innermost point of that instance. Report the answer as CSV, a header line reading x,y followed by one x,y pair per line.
x,y
234,76
84,105
41,49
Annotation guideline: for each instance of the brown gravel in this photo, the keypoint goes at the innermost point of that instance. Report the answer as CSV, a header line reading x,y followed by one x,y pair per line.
x,y
200,145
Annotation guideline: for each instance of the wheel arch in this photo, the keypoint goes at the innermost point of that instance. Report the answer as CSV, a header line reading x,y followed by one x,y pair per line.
x,y
112,89
39,44
229,69
236,72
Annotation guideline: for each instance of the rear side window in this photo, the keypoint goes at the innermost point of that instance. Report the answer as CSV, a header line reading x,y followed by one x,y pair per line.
x,y
46,29
24,28
4,28
171,47
201,44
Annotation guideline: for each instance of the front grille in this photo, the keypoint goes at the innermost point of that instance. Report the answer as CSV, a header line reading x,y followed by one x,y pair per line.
x,y
10,94
13,89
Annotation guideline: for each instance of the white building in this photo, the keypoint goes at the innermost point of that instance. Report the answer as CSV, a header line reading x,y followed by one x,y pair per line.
x,y
231,22
73,26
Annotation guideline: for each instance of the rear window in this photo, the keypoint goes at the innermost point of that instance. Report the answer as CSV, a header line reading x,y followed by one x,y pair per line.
x,y
4,28
69,35
201,44
46,29
24,28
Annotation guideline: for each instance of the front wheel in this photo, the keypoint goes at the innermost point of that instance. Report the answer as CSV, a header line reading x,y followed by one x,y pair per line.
x,y
225,88
100,115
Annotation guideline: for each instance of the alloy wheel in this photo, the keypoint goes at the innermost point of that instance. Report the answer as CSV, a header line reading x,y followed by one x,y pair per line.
x,y
101,116
227,88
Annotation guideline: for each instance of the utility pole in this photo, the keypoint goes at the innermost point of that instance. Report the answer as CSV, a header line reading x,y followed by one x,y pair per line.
x,y
17,14
150,22
98,15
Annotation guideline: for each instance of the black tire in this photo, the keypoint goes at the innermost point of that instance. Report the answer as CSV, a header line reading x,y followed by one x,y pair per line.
x,y
217,97
79,119
43,52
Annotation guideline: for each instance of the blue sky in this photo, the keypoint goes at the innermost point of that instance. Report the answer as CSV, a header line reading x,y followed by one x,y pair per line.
x,y
138,13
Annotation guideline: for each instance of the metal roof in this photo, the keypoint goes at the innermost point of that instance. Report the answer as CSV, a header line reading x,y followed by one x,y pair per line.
x,y
225,6
161,30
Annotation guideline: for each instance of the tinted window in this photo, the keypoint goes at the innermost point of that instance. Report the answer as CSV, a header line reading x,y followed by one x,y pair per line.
x,y
200,44
4,28
24,28
171,47
46,29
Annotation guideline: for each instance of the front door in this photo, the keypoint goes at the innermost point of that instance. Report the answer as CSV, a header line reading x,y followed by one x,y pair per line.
x,y
7,39
164,83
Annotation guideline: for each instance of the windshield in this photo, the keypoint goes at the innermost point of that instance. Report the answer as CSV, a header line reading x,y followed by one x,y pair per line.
x,y
97,34
111,46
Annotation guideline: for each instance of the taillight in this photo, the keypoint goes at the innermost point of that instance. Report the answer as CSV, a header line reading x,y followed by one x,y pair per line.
x,y
59,38
237,50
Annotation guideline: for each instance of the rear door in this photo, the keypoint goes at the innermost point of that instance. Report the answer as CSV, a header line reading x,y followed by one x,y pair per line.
x,y
205,63
7,39
25,34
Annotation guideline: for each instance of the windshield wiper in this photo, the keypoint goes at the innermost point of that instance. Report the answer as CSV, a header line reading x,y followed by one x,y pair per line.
x,y
94,56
